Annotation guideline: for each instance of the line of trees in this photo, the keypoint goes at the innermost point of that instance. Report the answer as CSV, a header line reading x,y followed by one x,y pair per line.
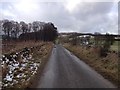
x,y
104,43
32,31
100,42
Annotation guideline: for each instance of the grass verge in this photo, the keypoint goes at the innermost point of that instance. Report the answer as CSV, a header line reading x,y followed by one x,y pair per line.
x,y
107,66
28,62
35,81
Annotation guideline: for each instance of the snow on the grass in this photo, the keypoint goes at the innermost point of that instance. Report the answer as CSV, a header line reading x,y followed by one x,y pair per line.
x,y
12,68
18,71
10,71
24,59
36,68
30,57
5,85
20,75
24,75
24,65
0,59
28,79
31,68
8,77
14,55
3,56
34,72
7,60
16,64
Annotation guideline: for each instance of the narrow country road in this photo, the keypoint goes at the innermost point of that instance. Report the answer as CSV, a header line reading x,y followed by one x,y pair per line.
x,y
64,70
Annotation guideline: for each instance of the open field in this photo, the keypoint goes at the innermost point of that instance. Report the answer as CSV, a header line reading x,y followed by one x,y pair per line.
x,y
107,66
115,46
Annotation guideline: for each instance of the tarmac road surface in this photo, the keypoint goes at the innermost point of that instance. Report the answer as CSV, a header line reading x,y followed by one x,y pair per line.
x,y
64,70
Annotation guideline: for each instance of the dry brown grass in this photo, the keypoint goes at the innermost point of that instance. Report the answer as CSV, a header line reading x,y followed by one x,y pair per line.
x,y
107,66
40,54
11,46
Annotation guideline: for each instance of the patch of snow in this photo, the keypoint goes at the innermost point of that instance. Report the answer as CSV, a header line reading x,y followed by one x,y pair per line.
x,y
3,56
1,59
36,68
11,84
5,85
23,65
31,67
30,57
28,79
34,72
20,75
7,60
16,64
24,75
8,78
21,68
35,64
10,71
11,68
14,56
24,60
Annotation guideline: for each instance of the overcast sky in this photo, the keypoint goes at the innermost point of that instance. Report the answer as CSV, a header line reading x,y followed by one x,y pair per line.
x,y
67,15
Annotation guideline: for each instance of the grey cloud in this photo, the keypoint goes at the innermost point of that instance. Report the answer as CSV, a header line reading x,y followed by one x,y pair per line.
x,y
94,17
90,9
86,17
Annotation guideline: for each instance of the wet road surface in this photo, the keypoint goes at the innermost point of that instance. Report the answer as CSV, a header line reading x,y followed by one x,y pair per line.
x,y
64,70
